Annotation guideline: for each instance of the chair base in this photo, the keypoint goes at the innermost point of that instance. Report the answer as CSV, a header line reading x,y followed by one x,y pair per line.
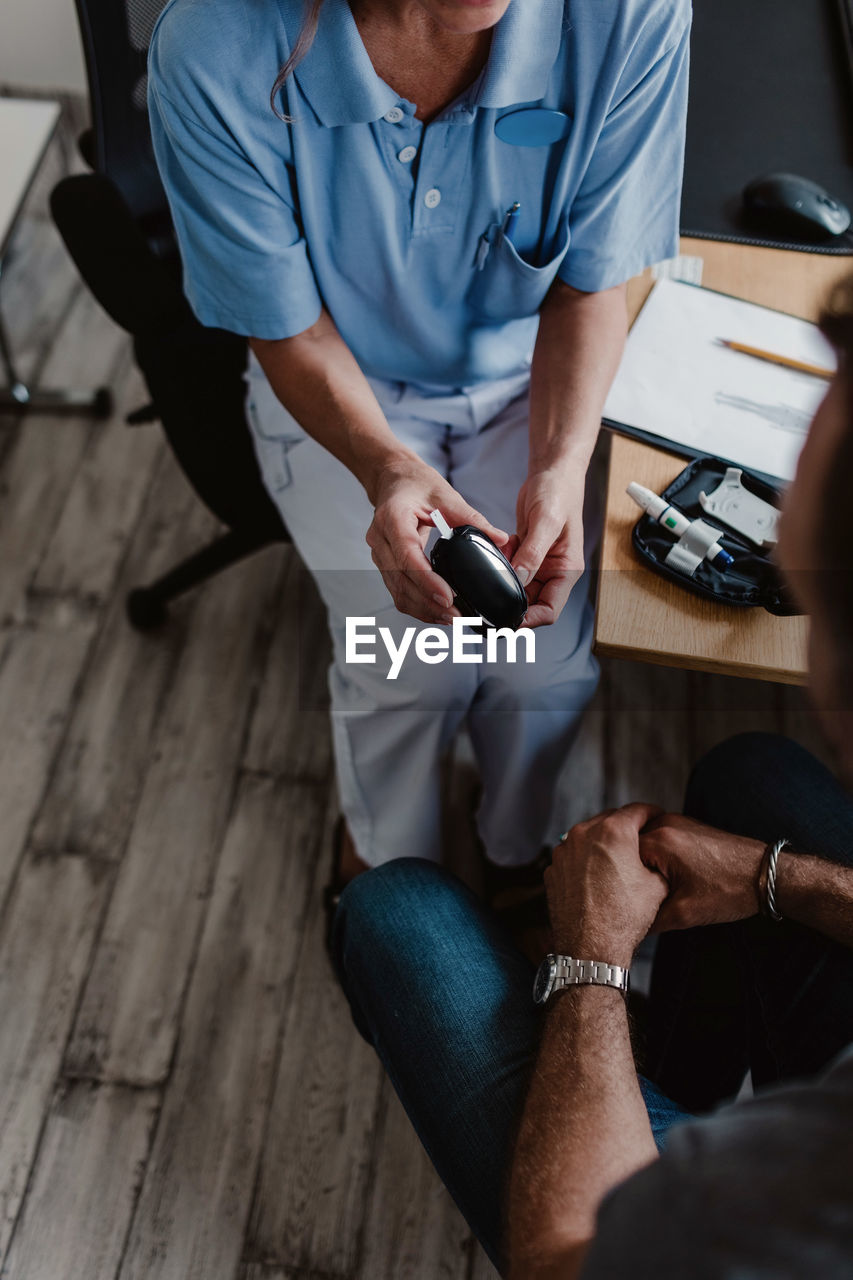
x,y
18,398
148,607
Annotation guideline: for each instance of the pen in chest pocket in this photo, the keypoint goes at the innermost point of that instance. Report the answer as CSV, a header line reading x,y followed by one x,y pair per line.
x,y
511,221
508,227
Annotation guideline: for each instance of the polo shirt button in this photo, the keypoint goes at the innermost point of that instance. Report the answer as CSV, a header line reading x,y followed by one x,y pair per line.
x,y
394,116
432,198
407,154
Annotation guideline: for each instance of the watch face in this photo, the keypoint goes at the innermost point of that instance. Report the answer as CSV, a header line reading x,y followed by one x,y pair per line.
x,y
544,981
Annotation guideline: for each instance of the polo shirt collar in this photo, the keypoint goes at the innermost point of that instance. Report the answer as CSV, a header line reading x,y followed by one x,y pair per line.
x,y
336,75
524,49
338,79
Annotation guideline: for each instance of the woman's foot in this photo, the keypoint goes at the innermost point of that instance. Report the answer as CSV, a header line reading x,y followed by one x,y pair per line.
x,y
346,865
350,864
517,895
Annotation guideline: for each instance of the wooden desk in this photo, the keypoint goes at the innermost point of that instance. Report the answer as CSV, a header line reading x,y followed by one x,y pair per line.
x,y
640,615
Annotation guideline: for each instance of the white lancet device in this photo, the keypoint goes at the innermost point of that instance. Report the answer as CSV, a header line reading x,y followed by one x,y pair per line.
x,y
741,510
697,541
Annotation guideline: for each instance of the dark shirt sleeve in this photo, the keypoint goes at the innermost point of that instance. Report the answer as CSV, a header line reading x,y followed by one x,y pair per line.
x,y
759,1191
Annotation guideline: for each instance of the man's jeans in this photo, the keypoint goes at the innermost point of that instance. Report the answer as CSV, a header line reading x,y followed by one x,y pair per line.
x,y
437,986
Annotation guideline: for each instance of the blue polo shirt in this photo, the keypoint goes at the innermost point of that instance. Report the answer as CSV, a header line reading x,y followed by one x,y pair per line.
x,y
396,226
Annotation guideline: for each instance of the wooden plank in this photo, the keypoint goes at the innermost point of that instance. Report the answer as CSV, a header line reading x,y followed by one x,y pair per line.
x,y
38,674
79,1204
45,944
101,767
128,1020
413,1230
105,498
481,1268
643,616
261,1271
647,734
290,733
198,1185
41,464
312,1184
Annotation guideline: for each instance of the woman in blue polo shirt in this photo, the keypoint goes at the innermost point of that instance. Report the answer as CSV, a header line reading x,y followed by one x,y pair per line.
x,y
410,351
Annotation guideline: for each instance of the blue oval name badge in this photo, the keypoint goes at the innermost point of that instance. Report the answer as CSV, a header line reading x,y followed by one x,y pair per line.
x,y
534,127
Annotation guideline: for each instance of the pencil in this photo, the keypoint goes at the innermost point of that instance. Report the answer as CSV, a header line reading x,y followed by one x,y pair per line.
x,y
800,365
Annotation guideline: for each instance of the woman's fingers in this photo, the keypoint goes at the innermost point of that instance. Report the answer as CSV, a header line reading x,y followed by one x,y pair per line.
x,y
397,540
414,588
457,511
548,599
396,546
541,534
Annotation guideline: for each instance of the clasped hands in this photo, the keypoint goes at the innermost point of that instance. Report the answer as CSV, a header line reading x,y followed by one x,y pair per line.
x,y
637,870
546,551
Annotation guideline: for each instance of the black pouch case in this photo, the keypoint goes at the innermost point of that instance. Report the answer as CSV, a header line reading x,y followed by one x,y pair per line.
x,y
752,580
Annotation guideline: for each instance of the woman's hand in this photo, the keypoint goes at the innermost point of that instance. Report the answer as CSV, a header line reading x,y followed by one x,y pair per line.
x,y
547,551
602,900
406,491
713,875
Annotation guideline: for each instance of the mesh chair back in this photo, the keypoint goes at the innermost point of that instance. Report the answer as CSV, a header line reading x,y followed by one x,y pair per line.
x,y
116,34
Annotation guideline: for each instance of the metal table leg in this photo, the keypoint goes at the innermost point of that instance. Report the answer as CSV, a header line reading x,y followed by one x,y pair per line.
x,y
17,397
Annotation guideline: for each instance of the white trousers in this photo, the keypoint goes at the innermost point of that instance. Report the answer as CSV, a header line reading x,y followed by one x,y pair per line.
x,y
390,735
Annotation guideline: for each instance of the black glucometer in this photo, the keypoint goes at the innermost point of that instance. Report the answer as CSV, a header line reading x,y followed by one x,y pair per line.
x,y
479,574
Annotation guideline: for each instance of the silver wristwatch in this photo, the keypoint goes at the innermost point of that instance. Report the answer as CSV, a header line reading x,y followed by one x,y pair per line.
x,y
555,973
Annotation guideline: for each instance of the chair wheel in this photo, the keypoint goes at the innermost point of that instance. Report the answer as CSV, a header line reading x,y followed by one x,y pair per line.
x,y
102,405
145,611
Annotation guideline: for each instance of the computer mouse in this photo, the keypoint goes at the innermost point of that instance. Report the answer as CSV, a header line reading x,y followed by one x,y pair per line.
x,y
480,576
787,204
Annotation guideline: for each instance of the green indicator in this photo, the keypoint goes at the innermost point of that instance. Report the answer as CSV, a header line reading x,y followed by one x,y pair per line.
x,y
669,522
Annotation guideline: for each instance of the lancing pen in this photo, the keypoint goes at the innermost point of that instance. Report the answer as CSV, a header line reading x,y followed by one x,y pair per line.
x,y
511,221
671,518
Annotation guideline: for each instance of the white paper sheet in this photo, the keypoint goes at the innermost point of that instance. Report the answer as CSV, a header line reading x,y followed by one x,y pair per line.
x,y
678,382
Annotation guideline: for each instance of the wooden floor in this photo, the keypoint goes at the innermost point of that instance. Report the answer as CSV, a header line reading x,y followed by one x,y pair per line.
x,y
183,1095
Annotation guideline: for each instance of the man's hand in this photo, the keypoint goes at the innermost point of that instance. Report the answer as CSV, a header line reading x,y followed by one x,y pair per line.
x,y
547,552
712,875
407,490
601,898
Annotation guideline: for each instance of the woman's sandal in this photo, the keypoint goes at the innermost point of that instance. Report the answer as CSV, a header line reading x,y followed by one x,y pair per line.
x,y
507,888
335,887
517,896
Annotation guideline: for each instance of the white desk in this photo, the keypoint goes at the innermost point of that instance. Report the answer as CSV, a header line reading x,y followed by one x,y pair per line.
x,y
26,128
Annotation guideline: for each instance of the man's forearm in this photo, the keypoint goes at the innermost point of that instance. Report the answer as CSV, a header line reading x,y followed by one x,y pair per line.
x,y
317,379
816,893
577,353
585,1128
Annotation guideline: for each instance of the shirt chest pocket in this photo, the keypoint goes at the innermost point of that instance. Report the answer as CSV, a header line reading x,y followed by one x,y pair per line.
x,y
504,286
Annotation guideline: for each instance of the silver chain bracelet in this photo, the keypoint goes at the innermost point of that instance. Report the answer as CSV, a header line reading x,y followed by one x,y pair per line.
x,y
772,855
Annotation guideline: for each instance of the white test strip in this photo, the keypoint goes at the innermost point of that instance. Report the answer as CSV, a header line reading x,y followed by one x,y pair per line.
x,y
441,524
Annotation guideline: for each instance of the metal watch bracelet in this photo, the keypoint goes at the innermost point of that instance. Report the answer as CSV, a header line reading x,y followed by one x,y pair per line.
x,y
558,973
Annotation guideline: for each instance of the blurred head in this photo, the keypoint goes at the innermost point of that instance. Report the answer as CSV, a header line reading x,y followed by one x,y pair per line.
x,y
464,17
461,17
815,548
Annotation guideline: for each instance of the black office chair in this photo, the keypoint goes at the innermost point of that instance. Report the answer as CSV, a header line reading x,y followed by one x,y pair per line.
x,y
116,225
